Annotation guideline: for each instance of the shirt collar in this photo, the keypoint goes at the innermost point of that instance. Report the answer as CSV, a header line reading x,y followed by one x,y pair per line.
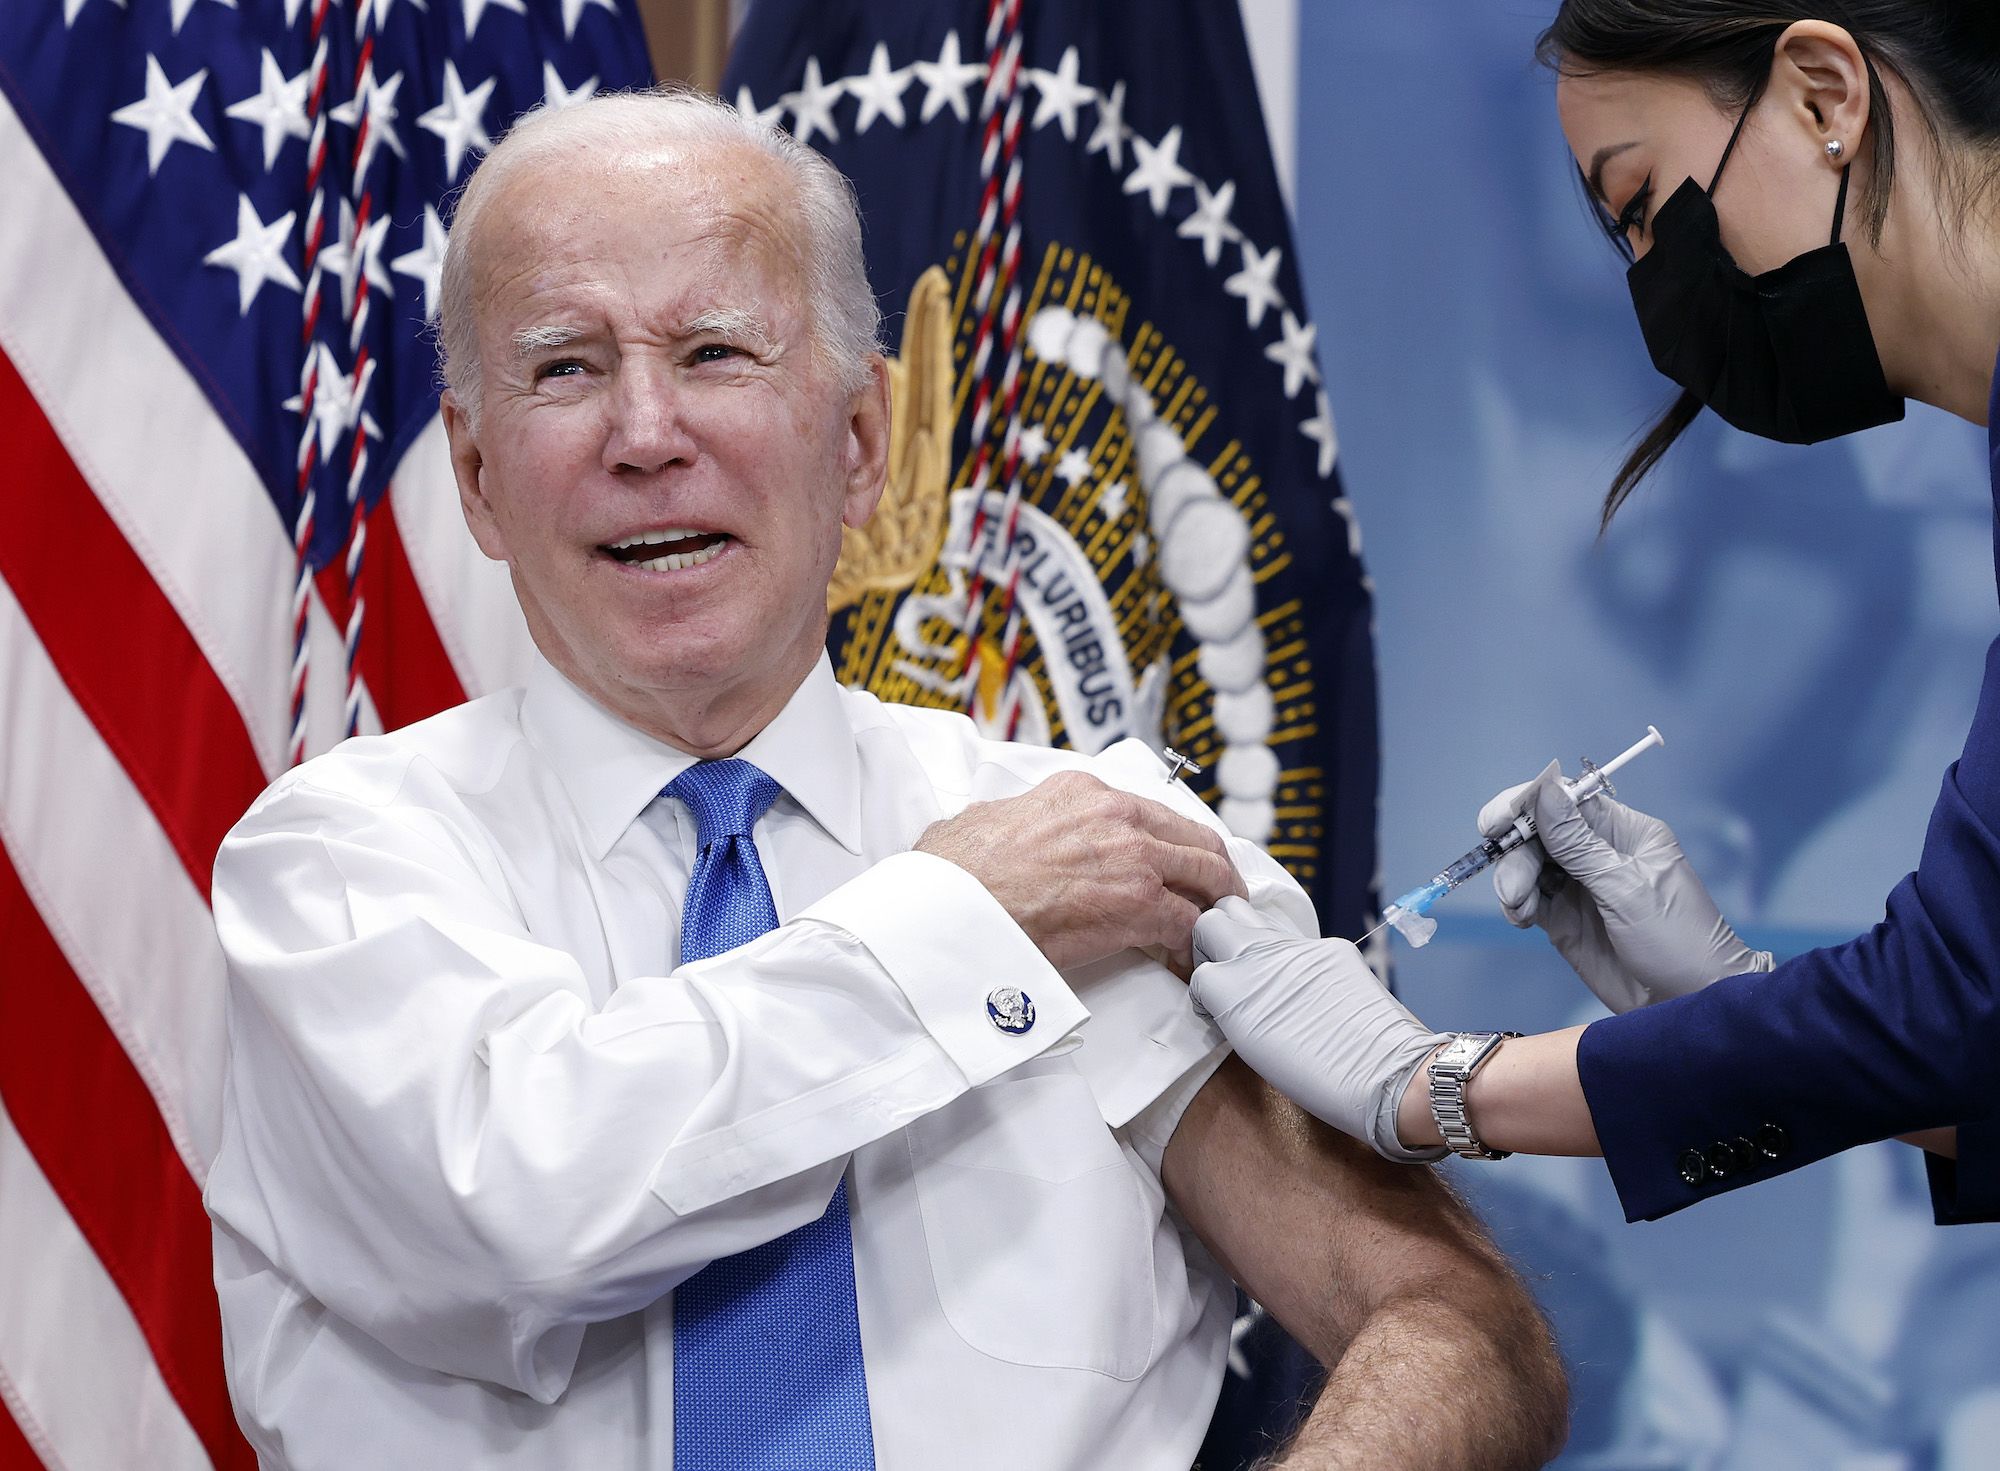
x,y
612,770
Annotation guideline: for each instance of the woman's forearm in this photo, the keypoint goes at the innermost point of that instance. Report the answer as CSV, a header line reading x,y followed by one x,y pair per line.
x,y
1526,1099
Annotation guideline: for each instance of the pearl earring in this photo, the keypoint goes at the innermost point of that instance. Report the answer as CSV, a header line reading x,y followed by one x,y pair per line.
x,y
1834,149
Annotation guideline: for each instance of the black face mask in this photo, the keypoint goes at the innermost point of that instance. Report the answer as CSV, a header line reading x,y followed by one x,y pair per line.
x,y
1786,355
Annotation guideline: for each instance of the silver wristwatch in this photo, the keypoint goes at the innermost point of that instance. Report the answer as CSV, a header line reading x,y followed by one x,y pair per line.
x,y
1450,1071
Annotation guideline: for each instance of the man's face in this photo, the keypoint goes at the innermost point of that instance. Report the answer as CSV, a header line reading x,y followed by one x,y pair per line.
x,y
661,457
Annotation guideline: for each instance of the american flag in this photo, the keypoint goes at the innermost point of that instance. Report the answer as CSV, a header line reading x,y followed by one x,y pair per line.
x,y
228,537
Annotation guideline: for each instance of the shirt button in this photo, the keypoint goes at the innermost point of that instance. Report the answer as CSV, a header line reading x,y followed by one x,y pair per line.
x,y
1772,1141
1693,1167
1010,1009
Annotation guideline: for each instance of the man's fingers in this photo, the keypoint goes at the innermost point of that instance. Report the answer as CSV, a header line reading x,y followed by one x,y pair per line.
x,y
1198,875
1174,918
1169,826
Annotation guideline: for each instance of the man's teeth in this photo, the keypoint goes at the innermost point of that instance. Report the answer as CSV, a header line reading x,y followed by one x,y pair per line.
x,y
702,547
674,561
654,538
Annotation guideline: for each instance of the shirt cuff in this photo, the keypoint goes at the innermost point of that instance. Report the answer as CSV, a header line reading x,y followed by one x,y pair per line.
x,y
949,947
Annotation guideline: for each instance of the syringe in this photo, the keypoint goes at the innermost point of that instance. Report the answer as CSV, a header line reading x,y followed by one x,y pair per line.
x,y
1410,914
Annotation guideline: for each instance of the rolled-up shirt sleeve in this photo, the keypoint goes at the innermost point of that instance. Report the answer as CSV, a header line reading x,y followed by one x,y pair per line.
x,y
449,1144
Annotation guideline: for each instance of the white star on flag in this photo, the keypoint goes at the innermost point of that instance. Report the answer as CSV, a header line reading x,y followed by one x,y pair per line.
x,y
747,105
1344,508
165,114
336,402
1295,354
257,254
379,9
1257,283
1158,172
812,104
1110,133
946,79
181,8
573,12
880,92
1073,467
1061,96
278,107
350,257
458,120
1111,500
377,102
474,9
1034,443
1239,1362
1210,221
426,262
1319,429
555,96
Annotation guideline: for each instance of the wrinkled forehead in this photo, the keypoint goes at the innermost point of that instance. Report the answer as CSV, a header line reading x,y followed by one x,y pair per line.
x,y
693,213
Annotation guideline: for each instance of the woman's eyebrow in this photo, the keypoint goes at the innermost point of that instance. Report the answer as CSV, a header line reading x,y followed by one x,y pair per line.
x,y
1595,175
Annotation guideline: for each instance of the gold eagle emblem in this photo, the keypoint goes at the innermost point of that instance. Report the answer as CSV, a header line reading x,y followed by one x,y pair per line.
x,y
903,538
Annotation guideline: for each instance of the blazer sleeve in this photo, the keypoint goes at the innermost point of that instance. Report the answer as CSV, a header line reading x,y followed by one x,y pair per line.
x,y
1893,1032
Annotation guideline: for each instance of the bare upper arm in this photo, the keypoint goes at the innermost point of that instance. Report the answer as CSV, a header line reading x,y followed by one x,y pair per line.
x,y
1314,1225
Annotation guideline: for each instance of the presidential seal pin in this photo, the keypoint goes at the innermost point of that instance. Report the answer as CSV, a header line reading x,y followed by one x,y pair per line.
x,y
1010,1009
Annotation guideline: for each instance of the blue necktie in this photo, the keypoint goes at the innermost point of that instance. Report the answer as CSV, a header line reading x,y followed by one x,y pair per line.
x,y
767,1343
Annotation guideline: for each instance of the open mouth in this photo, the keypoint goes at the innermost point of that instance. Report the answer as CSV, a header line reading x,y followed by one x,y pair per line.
x,y
667,551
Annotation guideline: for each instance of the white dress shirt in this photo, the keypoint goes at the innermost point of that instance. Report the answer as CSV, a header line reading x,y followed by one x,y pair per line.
x,y
479,1123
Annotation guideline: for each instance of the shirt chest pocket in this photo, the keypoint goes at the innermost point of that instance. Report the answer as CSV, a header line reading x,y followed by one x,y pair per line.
x,y
1039,1225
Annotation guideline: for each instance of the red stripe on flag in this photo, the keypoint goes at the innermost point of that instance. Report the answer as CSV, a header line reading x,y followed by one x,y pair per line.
x,y
403,661
84,1113
121,646
15,1452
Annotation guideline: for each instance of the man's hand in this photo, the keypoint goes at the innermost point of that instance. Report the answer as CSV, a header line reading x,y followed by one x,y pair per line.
x,y
1087,871
1613,890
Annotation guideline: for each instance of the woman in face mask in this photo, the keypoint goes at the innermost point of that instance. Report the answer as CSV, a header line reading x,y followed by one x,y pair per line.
x,y
1809,194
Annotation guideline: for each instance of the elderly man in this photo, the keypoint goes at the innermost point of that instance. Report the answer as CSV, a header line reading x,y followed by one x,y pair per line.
x,y
687,1062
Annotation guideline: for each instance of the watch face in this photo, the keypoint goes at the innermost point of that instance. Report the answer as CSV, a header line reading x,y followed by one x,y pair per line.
x,y
1460,1051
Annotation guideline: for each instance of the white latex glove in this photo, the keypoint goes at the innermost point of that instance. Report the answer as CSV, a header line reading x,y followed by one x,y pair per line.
x,y
1615,893
1310,1016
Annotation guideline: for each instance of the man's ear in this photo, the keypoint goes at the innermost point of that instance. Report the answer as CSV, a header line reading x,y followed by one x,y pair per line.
x,y
867,444
466,467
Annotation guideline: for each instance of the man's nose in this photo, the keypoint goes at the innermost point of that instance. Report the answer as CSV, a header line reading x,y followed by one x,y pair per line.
x,y
649,412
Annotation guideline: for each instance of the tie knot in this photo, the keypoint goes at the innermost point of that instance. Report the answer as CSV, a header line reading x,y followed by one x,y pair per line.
x,y
726,797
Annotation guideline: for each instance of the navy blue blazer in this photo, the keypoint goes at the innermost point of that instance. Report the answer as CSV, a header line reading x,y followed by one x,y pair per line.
x,y
1896,1031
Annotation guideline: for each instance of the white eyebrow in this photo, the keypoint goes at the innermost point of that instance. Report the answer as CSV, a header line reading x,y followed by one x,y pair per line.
x,y
730,321
539,339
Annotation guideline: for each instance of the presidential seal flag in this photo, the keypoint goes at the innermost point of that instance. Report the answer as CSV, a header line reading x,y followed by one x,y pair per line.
x,y
1114,508
228,537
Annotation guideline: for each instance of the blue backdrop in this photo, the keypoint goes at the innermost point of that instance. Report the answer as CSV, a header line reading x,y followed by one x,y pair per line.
x,y
1805,625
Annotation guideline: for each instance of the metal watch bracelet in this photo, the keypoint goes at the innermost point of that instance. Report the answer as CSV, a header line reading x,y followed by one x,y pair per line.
x,y
1450,1071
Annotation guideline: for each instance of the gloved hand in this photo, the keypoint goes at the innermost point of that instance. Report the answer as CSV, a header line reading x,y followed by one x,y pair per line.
x,y
1310,1016
1615,893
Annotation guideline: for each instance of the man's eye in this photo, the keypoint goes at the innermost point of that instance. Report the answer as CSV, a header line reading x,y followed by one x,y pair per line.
x,y
563,368
714,352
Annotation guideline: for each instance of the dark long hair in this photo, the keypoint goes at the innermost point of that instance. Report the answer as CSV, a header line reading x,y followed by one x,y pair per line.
x,y
1947,52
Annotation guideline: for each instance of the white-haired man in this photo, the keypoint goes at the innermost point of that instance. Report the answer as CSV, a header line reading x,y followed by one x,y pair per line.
x,y
685,1061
